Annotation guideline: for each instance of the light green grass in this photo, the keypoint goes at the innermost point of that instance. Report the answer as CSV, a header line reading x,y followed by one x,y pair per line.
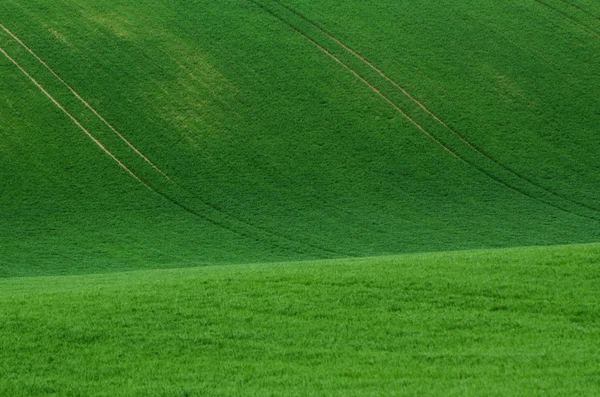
x,y
497,323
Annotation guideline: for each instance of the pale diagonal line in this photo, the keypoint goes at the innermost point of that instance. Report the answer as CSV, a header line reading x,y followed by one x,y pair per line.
x,y
433,115
147,160
96,141
136,150
497,179
265,230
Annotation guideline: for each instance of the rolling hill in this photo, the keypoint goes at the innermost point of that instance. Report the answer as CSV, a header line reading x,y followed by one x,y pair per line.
x,y
175,134
292,197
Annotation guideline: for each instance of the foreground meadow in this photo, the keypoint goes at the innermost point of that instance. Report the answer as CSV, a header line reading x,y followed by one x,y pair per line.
x,y
502,322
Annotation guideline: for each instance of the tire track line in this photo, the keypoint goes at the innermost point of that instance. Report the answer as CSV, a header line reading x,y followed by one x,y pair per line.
x,y
581,9
105,150
378,92
84,101
469,163
433,115
357,75
570,18
365,61
96,141
156,168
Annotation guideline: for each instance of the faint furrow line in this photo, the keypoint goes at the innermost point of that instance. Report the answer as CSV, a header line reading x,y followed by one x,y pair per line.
x,y
570,18
581,9
435,117
139,179
437,141
361,78
83,100
222,225
96,141
156,168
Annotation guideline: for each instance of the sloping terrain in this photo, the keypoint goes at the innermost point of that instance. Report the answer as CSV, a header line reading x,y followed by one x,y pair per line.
x,y
169,134
152,142
512,322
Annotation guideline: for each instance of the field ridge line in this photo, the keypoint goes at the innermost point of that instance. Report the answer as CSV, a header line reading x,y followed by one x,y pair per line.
x,y
136,150
96,141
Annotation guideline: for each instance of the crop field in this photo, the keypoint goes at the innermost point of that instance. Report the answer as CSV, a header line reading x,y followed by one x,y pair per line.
x,y
508,322
294,197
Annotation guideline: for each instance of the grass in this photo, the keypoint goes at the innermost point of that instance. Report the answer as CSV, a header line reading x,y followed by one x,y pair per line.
x,y
278,151
319,141
497,322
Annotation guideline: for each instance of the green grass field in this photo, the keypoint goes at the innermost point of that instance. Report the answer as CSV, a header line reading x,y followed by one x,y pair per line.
x,y
234,197
503,323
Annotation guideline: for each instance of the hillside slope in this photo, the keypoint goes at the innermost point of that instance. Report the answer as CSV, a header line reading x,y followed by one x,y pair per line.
x,y
162,134
512,322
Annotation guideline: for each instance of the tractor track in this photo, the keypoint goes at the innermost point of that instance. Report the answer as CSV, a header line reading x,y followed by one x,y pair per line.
x,y
109,153
157,169
433,115
357,75
570,18
135,176
400,110
82,100
65,111
581,9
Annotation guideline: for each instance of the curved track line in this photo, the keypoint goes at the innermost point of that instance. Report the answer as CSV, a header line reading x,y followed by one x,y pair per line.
x,y
567,16
581,9
208,204
491,176
96,141
365,61
99,144
361,78
83,100
435,117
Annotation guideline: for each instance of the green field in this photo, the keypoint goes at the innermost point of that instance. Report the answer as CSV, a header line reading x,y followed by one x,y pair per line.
x,y
274,148
503,323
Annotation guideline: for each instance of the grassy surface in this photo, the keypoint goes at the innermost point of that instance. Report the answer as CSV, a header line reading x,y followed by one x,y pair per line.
x,y
148,142
277,151
497,322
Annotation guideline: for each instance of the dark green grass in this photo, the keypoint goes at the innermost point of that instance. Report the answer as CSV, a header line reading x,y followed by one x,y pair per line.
x,y
518,79
278,152
501,323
